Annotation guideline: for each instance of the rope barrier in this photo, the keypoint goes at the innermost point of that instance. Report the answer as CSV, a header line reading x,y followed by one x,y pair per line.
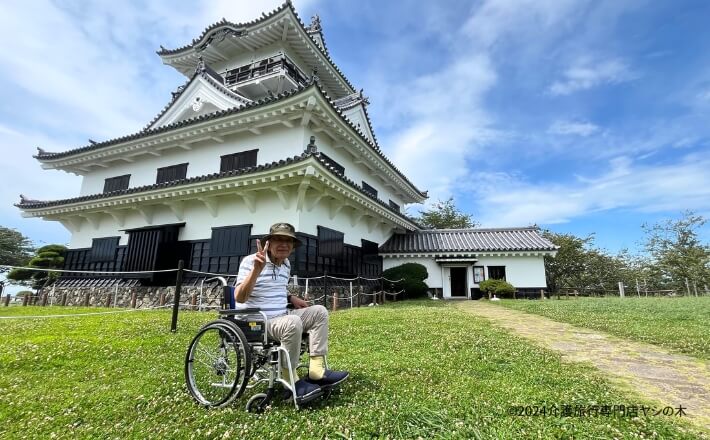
x,y
87,271
69,315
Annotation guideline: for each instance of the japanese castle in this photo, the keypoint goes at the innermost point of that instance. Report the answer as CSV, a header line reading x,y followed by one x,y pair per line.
x,y
266,128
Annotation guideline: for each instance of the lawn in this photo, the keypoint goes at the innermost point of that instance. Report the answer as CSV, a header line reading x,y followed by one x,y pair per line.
x,y
680,324
418,369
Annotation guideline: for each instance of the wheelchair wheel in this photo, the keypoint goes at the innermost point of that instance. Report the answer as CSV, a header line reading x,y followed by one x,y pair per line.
x,y
257,403
217,364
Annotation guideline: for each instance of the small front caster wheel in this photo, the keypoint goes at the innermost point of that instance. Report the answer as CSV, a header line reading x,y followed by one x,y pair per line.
x,y
257,403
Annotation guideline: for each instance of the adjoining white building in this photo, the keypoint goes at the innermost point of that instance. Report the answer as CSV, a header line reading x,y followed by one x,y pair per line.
x,y
266,128
457,260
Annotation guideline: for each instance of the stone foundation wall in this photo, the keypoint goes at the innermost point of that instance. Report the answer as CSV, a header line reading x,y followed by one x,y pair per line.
x,y
141,297
130,297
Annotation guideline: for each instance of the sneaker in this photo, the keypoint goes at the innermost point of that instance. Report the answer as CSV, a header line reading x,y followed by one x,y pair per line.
x,y
331,378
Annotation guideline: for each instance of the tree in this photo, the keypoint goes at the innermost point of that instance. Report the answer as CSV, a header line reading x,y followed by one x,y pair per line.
x,y
15,248
567,268
410,278
677,252
47,257
445,215
579,265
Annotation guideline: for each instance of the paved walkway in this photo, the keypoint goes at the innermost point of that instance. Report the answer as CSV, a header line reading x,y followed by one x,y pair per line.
x,y
651,371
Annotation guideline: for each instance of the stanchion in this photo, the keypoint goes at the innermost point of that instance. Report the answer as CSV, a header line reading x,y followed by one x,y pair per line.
x,y
7,300
178,286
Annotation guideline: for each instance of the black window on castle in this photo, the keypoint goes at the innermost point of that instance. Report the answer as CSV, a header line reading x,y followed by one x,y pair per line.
x,y
230,241
116,183
338,168
394,206
238,161
368,189
171,173
496,272
369,247
330,243
103,249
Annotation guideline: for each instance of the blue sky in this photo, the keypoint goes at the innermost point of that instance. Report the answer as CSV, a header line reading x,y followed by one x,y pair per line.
x,y
578,116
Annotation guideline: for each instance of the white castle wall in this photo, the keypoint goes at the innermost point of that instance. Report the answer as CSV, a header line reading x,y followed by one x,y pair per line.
x,y
274,144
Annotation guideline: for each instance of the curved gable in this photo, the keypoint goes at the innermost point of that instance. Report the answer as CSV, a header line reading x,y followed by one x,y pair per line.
x,y
199,97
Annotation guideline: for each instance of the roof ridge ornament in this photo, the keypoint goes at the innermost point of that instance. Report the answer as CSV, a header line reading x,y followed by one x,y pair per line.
x,y
24,199
200,65
315,25
311,148
314,76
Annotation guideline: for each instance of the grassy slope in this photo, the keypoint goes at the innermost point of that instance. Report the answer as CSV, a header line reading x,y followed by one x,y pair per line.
x,y
680,324
418,369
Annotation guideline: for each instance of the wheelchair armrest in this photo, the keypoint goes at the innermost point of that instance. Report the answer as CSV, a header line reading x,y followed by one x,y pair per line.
x,y
239,311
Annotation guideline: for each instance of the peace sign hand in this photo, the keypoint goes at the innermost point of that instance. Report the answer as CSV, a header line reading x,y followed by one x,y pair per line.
x,y
260,256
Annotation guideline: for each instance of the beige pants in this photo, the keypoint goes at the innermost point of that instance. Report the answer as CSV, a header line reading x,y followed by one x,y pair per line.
x,y
289,328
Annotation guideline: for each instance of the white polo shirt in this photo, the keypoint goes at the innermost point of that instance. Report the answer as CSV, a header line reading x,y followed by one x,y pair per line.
x,y
269,292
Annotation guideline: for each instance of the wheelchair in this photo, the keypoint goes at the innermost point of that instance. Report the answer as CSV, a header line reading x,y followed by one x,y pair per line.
x,y
233,353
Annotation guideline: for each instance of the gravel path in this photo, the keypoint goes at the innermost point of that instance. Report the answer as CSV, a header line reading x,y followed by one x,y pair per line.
x,y
668,378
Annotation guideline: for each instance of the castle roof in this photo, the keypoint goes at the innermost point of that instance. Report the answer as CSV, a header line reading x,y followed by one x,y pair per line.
x,y
49,157
270,27
468,241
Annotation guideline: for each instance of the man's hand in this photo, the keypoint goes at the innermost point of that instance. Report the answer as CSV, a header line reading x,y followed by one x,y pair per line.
x,y
260,256
298,303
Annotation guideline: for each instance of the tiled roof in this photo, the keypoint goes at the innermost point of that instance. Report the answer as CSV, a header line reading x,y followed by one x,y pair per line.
x,y
39,204
238,26
468,240
44,155
268,100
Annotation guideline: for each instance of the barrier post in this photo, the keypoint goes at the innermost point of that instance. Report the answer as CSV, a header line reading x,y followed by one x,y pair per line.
x,y
325,289
25,299
133,300
7,300
359,291
178,286
108,300
86,299
45,297
542,293
63,301
335,299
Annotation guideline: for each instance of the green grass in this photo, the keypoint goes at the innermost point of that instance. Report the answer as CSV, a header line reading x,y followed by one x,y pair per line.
x,y
680,324
418,369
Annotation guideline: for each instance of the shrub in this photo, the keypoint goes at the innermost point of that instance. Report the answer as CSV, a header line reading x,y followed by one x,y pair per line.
x,y
412,276
500,288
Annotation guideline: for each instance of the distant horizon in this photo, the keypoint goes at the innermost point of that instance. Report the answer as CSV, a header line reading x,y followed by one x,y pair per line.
x,y
585,117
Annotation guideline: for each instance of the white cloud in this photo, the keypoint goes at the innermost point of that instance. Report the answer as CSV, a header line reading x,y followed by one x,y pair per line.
x,y
579,128
588,73
244,11
509,200
88,70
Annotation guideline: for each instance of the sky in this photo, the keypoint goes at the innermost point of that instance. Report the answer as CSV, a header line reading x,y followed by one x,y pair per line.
x,y
577,116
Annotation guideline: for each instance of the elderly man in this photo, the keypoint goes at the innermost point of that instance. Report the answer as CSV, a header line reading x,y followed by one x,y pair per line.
x,y
261,283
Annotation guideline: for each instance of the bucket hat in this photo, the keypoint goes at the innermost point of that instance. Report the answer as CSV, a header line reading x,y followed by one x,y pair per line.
x,y
283,230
